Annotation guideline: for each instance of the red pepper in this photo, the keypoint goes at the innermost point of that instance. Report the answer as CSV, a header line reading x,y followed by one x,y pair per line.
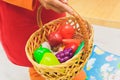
x,y
74,46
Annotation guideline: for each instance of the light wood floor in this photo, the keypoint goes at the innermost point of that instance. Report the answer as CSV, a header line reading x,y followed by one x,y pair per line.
x,y
101,12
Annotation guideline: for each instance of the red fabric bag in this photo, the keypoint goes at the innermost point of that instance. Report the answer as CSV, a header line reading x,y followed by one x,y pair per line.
x,y
16,26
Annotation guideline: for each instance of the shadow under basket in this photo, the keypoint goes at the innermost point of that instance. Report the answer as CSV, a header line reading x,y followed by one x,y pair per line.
x,y
68,69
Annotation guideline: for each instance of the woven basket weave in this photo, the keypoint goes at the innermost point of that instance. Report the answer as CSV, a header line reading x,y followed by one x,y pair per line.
x,y
68,69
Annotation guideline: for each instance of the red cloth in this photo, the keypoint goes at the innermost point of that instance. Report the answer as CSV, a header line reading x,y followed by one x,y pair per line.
x,y
16,25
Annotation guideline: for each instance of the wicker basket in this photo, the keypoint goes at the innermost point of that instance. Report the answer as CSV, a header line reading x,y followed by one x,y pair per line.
x,y
68,69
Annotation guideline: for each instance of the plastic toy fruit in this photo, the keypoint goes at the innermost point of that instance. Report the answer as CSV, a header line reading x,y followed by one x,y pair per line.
x,y
67,31
39,52
73,46
49,59
54,39
64,55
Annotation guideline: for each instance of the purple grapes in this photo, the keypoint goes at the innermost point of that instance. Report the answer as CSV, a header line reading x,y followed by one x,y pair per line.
x,y
64,55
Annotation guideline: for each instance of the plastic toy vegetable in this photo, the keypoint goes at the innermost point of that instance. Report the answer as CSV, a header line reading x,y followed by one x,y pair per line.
x,y
67,31
39,53
46,45
54,39
73,46
68,41
64,55
49,59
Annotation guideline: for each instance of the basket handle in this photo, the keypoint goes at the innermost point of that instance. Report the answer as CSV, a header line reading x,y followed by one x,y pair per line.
x,y
84,27
39,20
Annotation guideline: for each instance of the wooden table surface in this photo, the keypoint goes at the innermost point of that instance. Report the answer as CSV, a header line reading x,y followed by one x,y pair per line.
x,y
100,12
